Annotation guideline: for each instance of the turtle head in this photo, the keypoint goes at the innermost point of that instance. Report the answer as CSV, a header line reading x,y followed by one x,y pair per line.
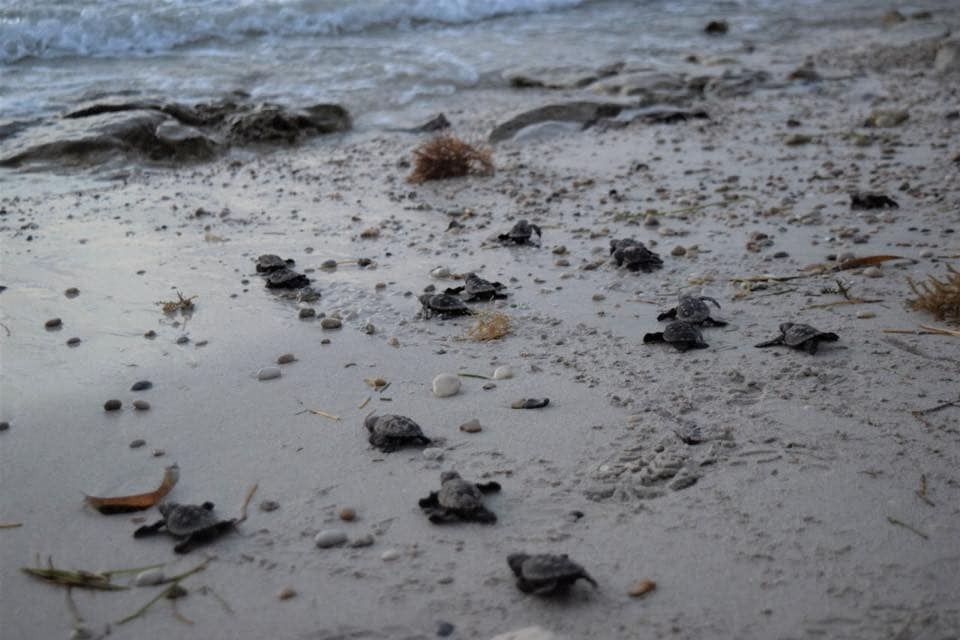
x,y
446,476
516,560
370,420
785,327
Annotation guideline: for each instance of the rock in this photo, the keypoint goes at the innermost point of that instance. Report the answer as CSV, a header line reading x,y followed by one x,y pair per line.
x,y
331,323
53,323
445,385
149,578
559,250
273,123
797,139
112,405
530,403
503,373
347,514
642,588
136,444
527,633
329,265
885,119
433,453
585,113
286,593
390,555
440,272
444,628
141,405
651,220
365,540
598,297
269,373
872,272
269,505
183,340
678,251
393,341
473,426
716,27
141,385
80,632
4,426
865,315
307,313
156,453
72,292
330,538
948,58
369,329
150,335
370,233
74,342
891,18
286,358
487,386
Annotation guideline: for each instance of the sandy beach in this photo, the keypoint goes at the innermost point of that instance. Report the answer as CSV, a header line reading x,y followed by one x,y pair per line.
x,y
769,493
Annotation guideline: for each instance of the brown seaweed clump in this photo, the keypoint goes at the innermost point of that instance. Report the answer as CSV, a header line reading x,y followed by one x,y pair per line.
x,y
491,325
447,156
939,297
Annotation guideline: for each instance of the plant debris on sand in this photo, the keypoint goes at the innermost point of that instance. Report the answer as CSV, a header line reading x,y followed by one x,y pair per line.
x,y
181,304
939,297
447,156
491,325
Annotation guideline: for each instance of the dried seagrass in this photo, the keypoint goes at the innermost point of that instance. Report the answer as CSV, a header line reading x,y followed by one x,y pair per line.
x,y
447,156
939,297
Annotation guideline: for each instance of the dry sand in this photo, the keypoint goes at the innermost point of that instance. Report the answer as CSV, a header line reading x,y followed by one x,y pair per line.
x,y
797,515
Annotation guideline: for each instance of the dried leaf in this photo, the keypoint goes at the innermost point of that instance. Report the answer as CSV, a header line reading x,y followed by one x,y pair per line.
x,y
139,502
81,579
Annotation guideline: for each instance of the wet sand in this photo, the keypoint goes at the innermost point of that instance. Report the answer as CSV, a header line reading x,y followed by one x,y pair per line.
x,y
796,513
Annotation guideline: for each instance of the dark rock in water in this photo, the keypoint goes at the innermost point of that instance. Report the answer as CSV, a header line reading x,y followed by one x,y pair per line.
x,y
273,123
586,113
141,385
716,27
269,262
286,279
438,122
872,201
559,78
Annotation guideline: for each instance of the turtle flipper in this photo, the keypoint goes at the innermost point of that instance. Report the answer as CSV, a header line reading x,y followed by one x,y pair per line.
x,y
811,345
653,337
713,322
586,576
480,514
770,343
149,529
669,314
488,487
452,291
709,299
430,501
829,337
204,536
525,586
441,516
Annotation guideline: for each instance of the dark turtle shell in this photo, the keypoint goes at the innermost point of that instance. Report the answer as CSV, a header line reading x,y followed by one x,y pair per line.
x,y
634,255
285,278
683,333
694,308
393,426
444,304
457,493
795,334
186,519
521,232
546,567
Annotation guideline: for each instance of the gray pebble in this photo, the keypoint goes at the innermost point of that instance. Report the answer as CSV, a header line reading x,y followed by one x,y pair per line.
x,y
156,453
141,405
331,323
444,628
73,342
329,264
112,405
308,313
136,444
4,425
268,373
183,339
72,292
286,358
330,538
927,253
369,329
389,555
269,505
141,385
365,540
872,272
487,386
473,426
53,323
150,335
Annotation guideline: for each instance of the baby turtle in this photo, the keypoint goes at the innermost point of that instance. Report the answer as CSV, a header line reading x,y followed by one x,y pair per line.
x,y
459,500
682,335
546,574
476,288
634,255
443,305
521,233
391,432
196,524
800,336
693,309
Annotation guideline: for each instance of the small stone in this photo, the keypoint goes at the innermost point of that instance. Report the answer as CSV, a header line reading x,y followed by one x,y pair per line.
x,y
72,292
389,555
331,323
927,253
487,386
183,339
440,272
872,272
369,329
53,323
74,342
380,286
716,27
797,139
864,315
286,358
433,453
598,297
136,444
444,628
559,250
175,592
269,373
393,341
651,220
366,540
642,588
141,385
4,425
141,405
330,538
445,385
112,405
286,593
329,265
307,313
473,426
678,251
149,578
527,633
157,453
347,514
530,403
269,505
370,233
150,335
503,373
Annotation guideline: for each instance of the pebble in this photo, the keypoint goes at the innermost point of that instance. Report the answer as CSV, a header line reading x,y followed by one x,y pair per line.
x,y
112,405
642,588
286,358
927,253
149,578
183,339
269,505
331,323
487,386
141,405
268,373
380,285
530,403
440,272
73,342
863,315
141,385
651,221
4,425
872,272
370,233
307,313
72,292
678,251
559,250
366,540
503,373
446,384
444,628
329,264
473,426
389,555
157,453
330,538
347,514
150,335
433,453
393,341
369,329
81,633
527,633
53,323
286,593
598,297
136,444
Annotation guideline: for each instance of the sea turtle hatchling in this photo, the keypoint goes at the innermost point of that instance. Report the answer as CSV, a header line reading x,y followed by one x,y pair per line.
x,y
546,574
521,233
443,305
693,309
196,524
459,500
682,335
800,336
391,432
476,288
634,255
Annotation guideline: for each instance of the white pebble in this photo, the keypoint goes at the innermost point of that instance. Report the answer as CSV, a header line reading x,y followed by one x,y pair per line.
x,y
390,555
863,315
440,272
872,272
149,578
330,538
502,373
446,384
268,373
433,453
927,253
